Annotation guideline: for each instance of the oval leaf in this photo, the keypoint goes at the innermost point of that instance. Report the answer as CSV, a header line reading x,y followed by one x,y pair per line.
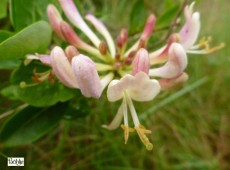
x,y
32,39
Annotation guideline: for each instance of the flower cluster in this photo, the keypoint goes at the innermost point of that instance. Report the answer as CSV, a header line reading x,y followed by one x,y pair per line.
x,y
131,74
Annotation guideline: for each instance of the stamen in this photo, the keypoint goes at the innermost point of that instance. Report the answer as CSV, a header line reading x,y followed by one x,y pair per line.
x,y
204,47
127,130
40,77
141,131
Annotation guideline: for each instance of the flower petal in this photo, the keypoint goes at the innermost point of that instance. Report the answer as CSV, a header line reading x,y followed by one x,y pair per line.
x,y
176,64
62,68
117,119
191,28
141,62
171,84
139,88
86,74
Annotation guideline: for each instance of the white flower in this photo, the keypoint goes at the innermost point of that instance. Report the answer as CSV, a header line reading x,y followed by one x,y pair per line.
x,y
138,88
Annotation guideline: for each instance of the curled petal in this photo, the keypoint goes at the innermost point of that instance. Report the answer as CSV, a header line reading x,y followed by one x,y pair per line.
x,y
75,18
54,19
161,55
191,28
141,62
170,84
100,27
139,88
86,74
62,68
176,64
116,121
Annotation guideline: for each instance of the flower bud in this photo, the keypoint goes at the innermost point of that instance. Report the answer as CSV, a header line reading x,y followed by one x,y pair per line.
x,y
132,54
149,25
117,56
119,42
55,19
71,52
124,35
141,62
128,61
103,48
70,35
142,43
86,74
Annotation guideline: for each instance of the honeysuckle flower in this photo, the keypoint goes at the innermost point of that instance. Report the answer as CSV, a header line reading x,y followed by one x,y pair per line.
x,y
190,31
139,88
128,72
187,37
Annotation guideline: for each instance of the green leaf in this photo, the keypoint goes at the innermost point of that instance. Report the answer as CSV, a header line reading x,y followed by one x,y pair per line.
x,y
22,13
166,18
42,94
30,124
32,39
3,8
4,35
10,92
138,17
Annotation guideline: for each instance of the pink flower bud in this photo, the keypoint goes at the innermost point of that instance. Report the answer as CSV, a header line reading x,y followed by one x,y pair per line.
x,y
86,74
55,19
103,48
71,52
141,62
70,35
124,35
149,25
119,42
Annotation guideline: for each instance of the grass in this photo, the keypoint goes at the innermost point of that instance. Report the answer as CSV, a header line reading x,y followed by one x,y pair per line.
x,y
190,127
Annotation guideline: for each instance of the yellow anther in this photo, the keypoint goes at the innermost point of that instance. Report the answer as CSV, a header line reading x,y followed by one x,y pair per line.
x,y
141,131
126,132
204,45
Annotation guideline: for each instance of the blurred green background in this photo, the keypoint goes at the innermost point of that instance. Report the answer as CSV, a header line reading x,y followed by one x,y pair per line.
x,y
191,129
